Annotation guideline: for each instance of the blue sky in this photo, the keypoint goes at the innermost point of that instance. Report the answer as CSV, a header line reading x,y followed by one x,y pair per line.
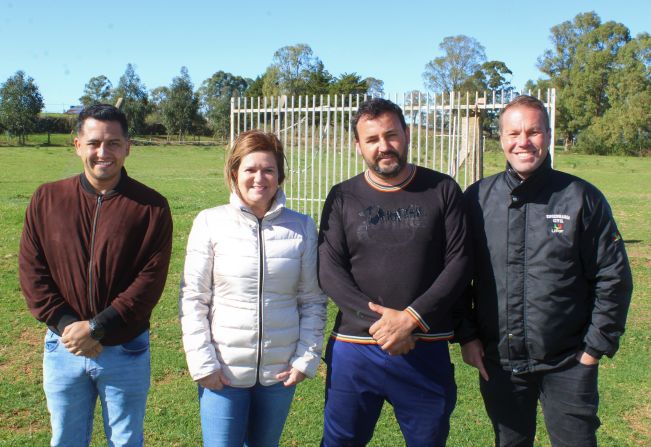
x,y
62,44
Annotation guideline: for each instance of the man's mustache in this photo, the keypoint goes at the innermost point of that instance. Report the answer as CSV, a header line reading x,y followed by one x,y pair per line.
x,y
388,154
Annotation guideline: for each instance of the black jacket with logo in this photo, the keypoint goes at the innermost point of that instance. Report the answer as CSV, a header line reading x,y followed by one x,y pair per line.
x,y
551,272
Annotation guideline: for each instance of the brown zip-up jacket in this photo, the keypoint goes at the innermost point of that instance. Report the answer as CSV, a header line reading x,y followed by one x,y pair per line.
x,y
85,255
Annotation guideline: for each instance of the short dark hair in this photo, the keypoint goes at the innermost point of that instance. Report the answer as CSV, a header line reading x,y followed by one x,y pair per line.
x,y
253,141
375,107
526,101
103,112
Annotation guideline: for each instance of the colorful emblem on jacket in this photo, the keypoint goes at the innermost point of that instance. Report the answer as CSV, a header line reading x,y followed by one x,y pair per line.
x,y
558,222
616,236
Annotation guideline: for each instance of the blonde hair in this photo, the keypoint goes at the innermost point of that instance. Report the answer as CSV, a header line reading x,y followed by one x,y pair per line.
x,y
253,141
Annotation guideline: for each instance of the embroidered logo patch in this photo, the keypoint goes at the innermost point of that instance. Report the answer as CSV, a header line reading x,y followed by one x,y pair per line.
x,y
558,222
616,236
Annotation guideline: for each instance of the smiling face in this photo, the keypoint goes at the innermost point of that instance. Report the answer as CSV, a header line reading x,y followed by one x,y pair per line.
x,y
525,138
102,147
383,142
257,181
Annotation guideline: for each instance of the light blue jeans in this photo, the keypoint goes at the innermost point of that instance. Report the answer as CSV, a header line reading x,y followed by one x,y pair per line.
x,y
119,376
253,417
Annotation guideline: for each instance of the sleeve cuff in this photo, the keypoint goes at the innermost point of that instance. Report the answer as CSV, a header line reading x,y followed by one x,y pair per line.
x,y
592,352
109,319
419,320
62,320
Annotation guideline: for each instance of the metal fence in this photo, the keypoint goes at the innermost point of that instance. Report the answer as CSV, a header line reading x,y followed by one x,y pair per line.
x,y
447,134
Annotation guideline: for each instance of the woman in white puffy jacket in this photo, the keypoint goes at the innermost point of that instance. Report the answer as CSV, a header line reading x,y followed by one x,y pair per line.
x,y
251,310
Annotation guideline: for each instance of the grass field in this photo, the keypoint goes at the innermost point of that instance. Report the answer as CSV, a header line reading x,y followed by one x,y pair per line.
x,y
191,179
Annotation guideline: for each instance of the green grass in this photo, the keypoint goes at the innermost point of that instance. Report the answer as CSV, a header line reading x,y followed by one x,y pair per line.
x,y
191,178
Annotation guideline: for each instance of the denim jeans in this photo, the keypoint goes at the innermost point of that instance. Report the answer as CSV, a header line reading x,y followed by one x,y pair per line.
x,y
569,398
254,417
119,376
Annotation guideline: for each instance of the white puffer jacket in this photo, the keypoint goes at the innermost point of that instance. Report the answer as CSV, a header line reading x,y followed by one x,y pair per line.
x,y
250,302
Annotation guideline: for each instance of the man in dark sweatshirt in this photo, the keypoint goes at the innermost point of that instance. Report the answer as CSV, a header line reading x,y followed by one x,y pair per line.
x,y
93,261
393,257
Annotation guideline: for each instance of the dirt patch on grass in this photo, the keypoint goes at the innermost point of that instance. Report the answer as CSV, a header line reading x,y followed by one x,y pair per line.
x,y
24,357
171,376
639,253
638,420
22,421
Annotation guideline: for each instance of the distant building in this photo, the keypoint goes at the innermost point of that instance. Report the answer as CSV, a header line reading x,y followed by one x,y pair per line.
x,y
74,110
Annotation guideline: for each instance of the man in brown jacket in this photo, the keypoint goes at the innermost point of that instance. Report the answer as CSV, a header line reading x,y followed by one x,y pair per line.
x,y
93,262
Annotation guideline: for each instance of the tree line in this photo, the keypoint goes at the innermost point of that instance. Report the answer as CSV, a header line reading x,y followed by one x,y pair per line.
x,y
602,76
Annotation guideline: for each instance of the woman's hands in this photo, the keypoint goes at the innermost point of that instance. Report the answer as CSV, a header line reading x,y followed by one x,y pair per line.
x,y
290,377
215,381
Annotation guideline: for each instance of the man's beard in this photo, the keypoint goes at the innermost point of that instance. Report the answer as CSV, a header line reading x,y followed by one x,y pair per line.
x,y
393,170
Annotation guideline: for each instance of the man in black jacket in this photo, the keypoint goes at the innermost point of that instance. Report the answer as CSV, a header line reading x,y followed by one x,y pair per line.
x,y
551,289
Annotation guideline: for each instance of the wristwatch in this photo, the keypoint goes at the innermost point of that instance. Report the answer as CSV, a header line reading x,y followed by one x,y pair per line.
x,y
97,331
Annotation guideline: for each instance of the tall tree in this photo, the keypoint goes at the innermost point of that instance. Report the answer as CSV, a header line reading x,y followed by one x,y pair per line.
x,y
557,63
96,91
291,68
180,108
625,128
491,75
20,104
463,56
255,88
135,104
318,80
215,96
374,87
585,96
348,83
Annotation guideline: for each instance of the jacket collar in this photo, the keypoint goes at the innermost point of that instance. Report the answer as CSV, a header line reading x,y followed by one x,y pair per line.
x,y
533,183
276,207
119,188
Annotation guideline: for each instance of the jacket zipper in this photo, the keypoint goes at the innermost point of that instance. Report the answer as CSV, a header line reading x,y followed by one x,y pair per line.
x,y
93,307
260,302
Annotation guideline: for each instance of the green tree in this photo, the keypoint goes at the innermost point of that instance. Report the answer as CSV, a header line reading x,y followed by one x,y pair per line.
x,y
20,104
215,96
318,80
625,127
254,89
290,71
347,84
96,91
557,64
585,97
491,76
135,103
463,57
374,87
180,108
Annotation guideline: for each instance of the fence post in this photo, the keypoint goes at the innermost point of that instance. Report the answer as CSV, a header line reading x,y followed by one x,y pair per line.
x,y
232,122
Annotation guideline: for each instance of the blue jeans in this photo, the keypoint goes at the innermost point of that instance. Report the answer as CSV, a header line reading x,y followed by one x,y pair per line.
x,y
420,386
119,376
254,417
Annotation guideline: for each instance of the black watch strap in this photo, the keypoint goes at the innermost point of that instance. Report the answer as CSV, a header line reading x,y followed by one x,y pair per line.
x,y
96,330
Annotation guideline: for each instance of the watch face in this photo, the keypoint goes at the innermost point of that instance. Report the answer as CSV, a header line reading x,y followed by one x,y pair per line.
x,y
96,332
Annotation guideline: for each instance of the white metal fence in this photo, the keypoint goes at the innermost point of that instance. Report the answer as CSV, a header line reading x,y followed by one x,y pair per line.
x,y
446,135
